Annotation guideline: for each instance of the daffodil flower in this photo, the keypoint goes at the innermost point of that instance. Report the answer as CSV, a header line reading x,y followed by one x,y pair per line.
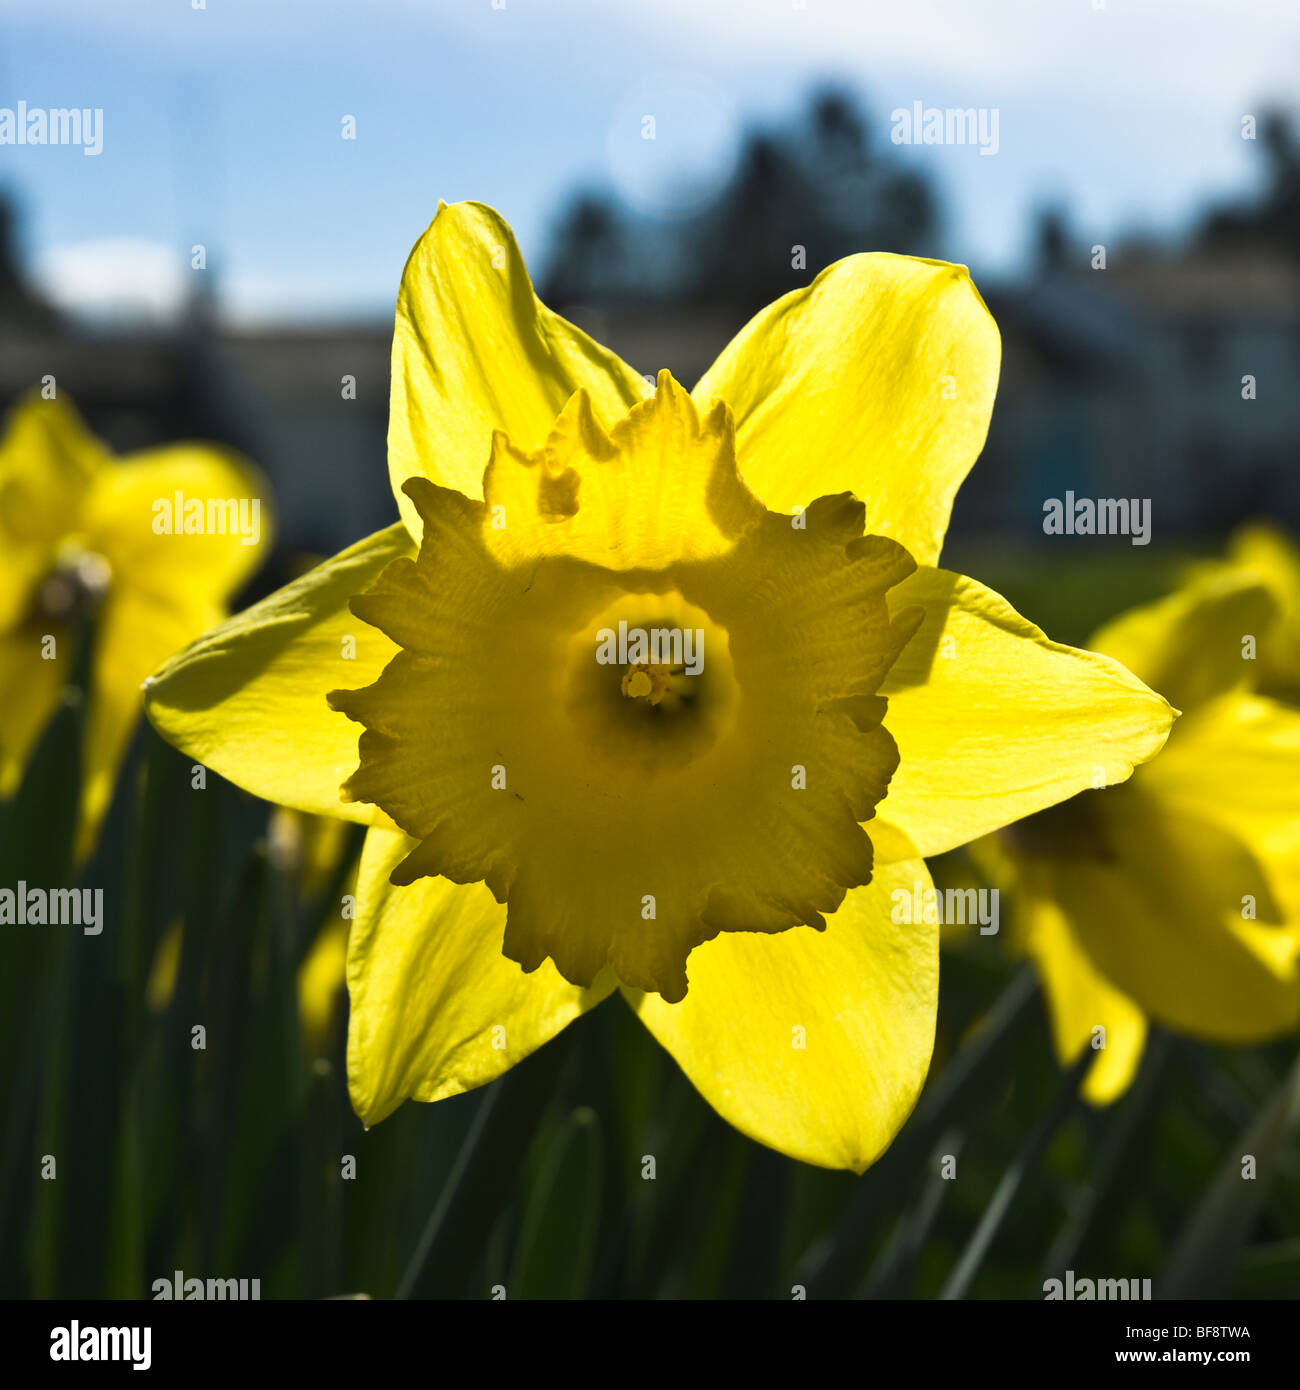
x,y
79,531
693,841
1175,897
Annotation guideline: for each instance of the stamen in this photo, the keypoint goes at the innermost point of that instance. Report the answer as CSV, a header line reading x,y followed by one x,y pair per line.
x,y
645,682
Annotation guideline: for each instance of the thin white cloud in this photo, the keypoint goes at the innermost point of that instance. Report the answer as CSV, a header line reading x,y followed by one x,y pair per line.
x,y
252,300
120,279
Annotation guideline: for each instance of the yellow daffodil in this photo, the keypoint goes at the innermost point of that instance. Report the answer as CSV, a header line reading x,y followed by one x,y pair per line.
x,y
1175,897
552,782
82,530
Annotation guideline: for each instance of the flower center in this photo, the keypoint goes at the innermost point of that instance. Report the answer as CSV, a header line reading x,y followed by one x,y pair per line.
x,y
73,587
642,682
1071,828
650,684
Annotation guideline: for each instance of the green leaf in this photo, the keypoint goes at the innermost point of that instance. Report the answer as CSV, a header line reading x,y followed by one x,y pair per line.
x,y
1207,1248
481,1183
1026,1161
561,1219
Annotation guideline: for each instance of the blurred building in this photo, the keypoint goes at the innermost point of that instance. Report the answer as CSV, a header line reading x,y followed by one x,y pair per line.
x,y
1169,374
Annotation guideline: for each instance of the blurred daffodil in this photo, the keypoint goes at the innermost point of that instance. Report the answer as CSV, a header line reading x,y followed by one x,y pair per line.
x,y
1175,897
80,532
543,789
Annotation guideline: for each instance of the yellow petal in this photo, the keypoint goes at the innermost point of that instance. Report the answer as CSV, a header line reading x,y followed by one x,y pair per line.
x,y
135,633
877,379
193,569
1267,549
994,721
1081,1000
1188,645
29,694
47,461
815,1043
474,350
436,1008
248,698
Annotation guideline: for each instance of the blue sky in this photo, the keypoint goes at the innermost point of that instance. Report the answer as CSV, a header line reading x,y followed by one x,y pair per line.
x,y
222,125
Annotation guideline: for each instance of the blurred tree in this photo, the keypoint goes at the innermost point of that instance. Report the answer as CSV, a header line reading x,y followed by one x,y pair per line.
x,y
799,199
1272,220
21,307
1052,236
589,252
